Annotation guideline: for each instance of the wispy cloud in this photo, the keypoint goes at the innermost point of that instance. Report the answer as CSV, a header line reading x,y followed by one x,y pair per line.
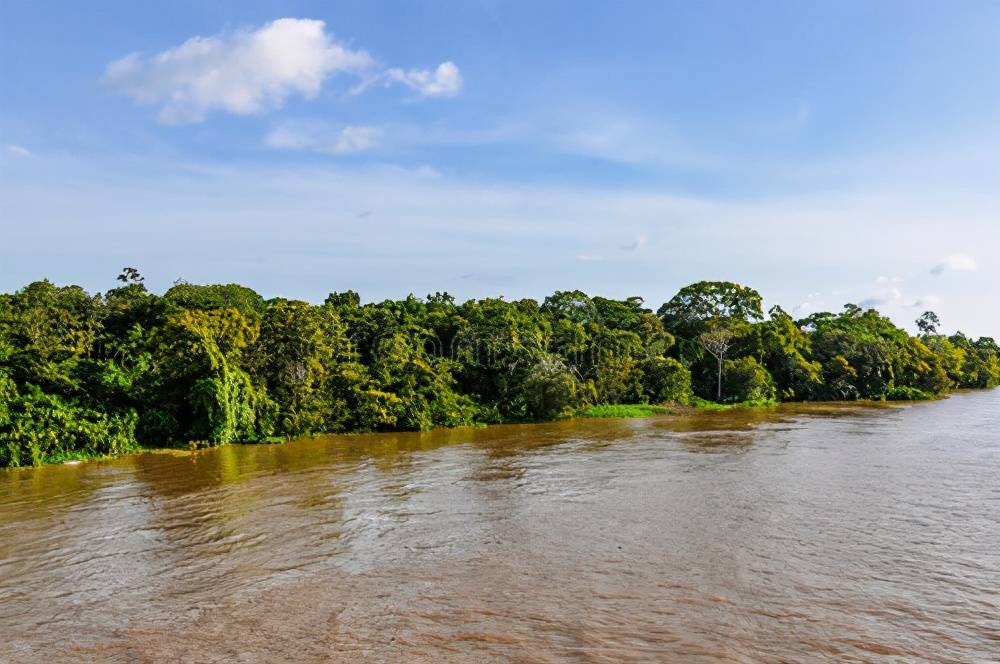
x,y
320,138
18,151
445,81
626,141
955,263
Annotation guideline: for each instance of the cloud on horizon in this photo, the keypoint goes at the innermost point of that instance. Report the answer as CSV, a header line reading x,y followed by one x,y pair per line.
x,y
300,235
889,293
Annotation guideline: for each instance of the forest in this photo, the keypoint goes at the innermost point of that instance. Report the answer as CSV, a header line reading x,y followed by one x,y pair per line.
x,y
85,375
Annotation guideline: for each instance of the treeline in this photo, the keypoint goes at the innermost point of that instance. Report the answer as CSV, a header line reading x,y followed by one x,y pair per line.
x,y
86,374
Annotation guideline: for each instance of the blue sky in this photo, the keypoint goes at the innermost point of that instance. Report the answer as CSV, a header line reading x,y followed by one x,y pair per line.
x,y
823,152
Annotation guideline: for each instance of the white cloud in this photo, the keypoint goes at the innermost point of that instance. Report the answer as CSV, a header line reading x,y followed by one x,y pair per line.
x,y
18,151
243,72
589,258
889,293
955,263
445,81
317,138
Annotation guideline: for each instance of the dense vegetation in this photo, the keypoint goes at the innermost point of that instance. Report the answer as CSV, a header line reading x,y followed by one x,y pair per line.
x,y
89,374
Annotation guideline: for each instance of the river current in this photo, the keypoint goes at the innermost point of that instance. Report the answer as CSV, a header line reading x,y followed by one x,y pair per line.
x,y
802,533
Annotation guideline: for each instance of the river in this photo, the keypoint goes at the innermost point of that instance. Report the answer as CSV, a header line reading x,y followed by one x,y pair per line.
x,y
803,533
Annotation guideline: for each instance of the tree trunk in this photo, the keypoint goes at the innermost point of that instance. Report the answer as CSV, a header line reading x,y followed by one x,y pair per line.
x,y
718,396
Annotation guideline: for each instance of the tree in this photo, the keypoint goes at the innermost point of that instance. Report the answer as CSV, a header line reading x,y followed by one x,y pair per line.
x,y
861,352
198,370
87,374
294,357
130,275
694,306
215,296
708,307
928,323
717,342
747,380
550,390
785,350
665,379
573,305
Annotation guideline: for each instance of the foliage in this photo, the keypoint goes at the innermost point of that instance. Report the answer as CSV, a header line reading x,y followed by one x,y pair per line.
x,y
705,404
198,357
785,350
41,427
705,301
215,296
665,379
624,410
86,374
550,390
907,394
928,323
709,319
747,380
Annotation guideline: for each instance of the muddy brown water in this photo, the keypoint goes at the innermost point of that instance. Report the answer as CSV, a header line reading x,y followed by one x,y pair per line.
x,y
800,534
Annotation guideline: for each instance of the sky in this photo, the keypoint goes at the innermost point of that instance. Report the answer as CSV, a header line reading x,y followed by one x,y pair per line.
x,y
823,152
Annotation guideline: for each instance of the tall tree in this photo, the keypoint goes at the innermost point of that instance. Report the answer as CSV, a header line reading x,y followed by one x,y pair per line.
x,y
717,342
928,323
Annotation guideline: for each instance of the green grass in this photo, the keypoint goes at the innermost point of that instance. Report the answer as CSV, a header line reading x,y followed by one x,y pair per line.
x,y
74,456
908,394
270,440
704,404
625,410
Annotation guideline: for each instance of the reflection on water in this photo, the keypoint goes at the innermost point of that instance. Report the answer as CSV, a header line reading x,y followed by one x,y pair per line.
x,y
800,533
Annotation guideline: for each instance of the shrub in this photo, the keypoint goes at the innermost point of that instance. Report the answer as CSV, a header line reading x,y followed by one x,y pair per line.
x,y
550,391
616,379
903,393
666,379
746,380
41,427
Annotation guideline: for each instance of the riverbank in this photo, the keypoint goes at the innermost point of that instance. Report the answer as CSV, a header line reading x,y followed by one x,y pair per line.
x,y
613,411
694,406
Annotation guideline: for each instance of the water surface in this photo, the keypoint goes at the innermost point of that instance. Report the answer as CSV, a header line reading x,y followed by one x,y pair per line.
x,y
806,533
